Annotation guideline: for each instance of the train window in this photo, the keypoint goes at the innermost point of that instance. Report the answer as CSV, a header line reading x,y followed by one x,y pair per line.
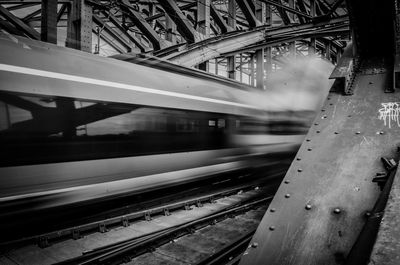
x,y
221,123
47,129
237,123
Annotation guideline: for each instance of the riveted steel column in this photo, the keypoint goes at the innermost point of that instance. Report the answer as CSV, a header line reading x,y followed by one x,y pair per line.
x,y
203,17
231,60
79,32
171,29
292,45
311,47
203,24
252,72
49,21
328,50
260,76
268,50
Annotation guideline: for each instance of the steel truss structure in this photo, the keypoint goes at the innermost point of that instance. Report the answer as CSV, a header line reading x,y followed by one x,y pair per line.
x,y
247,38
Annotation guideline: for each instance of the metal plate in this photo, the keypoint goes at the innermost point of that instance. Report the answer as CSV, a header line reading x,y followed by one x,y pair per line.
x,y
332,170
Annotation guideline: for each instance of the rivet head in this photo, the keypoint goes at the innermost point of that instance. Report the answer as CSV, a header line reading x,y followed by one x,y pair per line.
x,y
368,214
349,116
309,149
272,210
381,132
318,131
323,110
287,195
316,123
254,245
299,170
336,132
286,181
329,98
337,211
308,140
308,207
298,159
272,228
358,132
330,104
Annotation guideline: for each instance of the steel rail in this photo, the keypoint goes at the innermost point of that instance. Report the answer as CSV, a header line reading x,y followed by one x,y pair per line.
x,y
137,245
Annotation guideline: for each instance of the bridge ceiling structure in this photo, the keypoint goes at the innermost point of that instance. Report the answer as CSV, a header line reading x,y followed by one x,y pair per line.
x,y
232,34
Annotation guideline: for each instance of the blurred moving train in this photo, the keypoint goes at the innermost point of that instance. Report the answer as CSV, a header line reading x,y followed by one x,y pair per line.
x,y
76,127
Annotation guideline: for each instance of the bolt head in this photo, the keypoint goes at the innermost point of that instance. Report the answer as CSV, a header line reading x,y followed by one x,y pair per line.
x,y
337,211
308,207
358,132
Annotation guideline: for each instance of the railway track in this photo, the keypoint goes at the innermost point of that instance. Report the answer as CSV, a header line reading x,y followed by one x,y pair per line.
x,y
143,235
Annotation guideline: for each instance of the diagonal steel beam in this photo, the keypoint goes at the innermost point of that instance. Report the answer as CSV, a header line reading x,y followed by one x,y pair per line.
x,y
219,20
334,7
247,9
132,38
109,41
159,15
184,27
31,15
19,24
112,32
61,12
282,13
286,8
142,25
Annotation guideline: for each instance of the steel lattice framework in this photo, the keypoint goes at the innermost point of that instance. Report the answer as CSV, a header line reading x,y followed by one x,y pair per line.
x,y
246,38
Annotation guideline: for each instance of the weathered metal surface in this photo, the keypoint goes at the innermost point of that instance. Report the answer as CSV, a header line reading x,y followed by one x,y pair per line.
x,y
319,210
387,246
346,70
234,42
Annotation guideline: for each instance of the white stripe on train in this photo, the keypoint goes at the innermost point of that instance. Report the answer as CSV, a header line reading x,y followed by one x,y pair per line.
x,y
92,81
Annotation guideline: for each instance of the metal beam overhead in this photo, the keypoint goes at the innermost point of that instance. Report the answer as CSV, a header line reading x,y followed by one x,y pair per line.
x,y
219,20
132,38
233,43
112,32
142,25
286,8
184,27
247,9
19,24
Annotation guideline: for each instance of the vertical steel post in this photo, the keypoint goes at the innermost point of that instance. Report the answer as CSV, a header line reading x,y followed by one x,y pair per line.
x,y
79,32
49,21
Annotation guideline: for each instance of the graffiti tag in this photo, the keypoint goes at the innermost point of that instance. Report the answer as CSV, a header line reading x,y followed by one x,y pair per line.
x,y
390,113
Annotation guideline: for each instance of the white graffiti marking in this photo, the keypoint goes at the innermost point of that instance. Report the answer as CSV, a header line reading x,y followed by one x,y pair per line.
x,y
390,113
